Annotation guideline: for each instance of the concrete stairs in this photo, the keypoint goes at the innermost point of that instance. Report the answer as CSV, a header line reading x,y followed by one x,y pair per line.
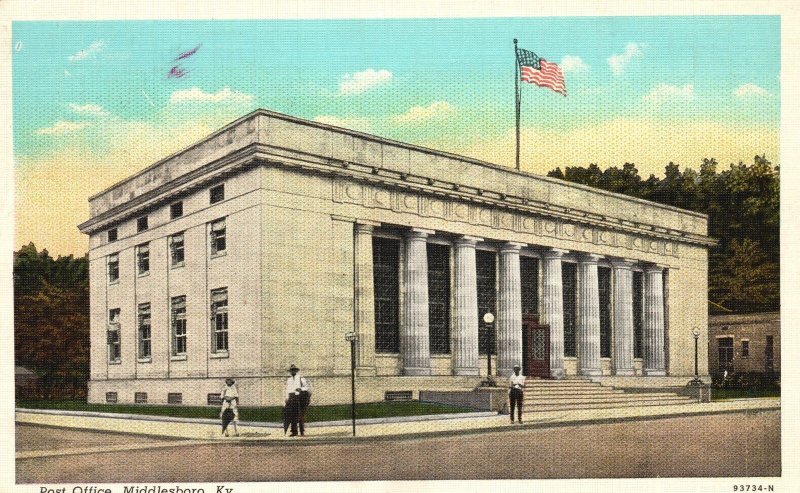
x,y
572,394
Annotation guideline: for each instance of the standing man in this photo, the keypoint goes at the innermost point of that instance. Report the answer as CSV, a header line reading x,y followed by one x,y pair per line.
x,y
230,400
516,387
297,397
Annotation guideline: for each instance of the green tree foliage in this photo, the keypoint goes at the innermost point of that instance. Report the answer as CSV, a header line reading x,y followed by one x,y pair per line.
x,y
51,320
742,203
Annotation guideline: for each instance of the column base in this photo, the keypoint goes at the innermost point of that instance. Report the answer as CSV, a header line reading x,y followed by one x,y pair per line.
x,y
624,372
366,371
416,372
557,373
590,372
652,372
470,372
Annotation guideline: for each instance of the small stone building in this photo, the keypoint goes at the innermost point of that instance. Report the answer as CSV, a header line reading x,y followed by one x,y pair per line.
x,y
267,242
749,343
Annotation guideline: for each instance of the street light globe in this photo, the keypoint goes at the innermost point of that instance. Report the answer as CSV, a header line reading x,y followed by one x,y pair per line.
x,y
696,332
488,317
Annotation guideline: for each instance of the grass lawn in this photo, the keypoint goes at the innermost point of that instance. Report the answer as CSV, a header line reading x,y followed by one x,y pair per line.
x,y
724,394
263,414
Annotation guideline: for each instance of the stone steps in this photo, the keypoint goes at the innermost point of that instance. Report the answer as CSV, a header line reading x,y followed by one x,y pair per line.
x,y
599,399
605,405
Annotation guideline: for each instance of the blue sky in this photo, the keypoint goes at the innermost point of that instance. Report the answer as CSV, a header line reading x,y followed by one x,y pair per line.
x,y
96,96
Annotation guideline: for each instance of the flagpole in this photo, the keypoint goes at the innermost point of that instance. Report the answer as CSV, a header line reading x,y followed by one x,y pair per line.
x,y
516,94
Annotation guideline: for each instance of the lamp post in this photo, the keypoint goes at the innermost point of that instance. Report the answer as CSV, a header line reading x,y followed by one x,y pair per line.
x,y
696,381
352,337
488,319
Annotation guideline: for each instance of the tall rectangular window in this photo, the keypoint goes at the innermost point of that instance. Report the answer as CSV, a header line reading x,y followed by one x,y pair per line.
x,y
114,350
217,194
745,349
176,210
141,224
219,320
112,235
769,354
218,244
145,332
529,282
178,325
113,268
176,250
725,353
143,259
638,315
604,295
439,298
386,279
485,269
569,286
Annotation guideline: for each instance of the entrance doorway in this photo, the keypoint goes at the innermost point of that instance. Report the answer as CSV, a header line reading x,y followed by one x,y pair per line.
x,y
535,348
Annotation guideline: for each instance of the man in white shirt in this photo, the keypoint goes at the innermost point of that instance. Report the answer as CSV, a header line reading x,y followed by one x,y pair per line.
x,y
230,400
516,388
297,399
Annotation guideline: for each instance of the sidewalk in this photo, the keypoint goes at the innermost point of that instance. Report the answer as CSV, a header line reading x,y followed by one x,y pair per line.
x,y
385,428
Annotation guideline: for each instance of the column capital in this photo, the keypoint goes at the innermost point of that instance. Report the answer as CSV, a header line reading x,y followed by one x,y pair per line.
x,y
653,268
467,240
362,228
622,263
512,247
588,258
419,233
367,222
345,219
554,253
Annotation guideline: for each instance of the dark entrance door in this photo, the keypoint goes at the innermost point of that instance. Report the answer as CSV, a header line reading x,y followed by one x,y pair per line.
x,y
535,348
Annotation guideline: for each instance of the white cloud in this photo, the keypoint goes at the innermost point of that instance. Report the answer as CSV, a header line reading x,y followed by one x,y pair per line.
x,y
438,109
750,90
359,82
353,123
197,94
618,62
572,63
91,50
88,109
663,92
63,127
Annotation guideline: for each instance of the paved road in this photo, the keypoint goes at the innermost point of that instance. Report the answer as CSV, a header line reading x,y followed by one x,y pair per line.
x,y
720,445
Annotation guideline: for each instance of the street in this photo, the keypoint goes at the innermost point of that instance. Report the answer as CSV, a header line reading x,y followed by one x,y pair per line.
x,y
734,444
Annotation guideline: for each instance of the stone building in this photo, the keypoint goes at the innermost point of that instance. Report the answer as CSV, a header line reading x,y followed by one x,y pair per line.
x,y
268,241
745,343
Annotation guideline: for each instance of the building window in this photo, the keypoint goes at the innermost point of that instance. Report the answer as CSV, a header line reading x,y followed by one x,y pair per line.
x,y
178,325
174,398
214,399
176,250
485,268
725,352
219,320
140,398
112,235
569,287
114,350
439,297
113,268
143,259
217,194
111,397
218,245
769,354
176,210
145,332
604,296
745,349
529,282
141,224
386,277
638,332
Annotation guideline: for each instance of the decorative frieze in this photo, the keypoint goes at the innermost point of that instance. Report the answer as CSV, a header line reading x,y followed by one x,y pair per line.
x,y
403,201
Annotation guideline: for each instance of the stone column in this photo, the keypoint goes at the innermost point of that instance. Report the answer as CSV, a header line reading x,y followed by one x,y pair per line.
x,y
509,315
553,308
654,321
465,341
414,337
623,316
364,299
587,325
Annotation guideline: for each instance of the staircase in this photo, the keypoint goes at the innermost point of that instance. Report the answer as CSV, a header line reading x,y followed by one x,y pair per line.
x,y
572,394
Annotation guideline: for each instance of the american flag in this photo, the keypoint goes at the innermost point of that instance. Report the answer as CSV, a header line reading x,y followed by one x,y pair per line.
x,y
539,71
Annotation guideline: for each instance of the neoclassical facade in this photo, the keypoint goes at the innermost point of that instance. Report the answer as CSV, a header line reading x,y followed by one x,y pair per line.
x,y
267,242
